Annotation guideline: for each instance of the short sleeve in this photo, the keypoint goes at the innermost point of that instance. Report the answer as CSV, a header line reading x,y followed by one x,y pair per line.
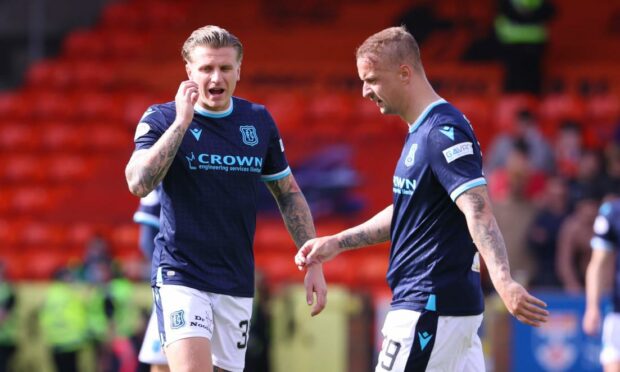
x,y
150,128
604,236
455,159
276,165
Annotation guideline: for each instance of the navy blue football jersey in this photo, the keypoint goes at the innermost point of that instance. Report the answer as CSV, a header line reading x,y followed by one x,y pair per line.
x,y
607,236
208,196
434,263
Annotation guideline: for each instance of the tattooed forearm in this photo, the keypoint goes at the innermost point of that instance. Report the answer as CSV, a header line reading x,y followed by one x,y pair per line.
x,y
147,168
356,239
485,232
491,244
374,231
294,209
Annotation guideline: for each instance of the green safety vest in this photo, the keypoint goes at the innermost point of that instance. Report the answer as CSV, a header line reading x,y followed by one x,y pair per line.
x,y
509,32
63,318
8,328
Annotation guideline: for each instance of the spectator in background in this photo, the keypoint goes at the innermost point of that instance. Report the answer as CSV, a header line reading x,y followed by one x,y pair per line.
x,y
611,178
8,321
587,176
422,20
516,179
64,322
568,147
542,234
573,250
540,153
521,31
510,190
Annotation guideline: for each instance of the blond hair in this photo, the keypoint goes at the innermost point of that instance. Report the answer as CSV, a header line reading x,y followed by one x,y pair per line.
x,y
394,43
211,36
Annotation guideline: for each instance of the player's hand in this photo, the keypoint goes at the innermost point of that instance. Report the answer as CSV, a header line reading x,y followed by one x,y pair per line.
x,y
186,98
315,284
317,251
523,306
591,321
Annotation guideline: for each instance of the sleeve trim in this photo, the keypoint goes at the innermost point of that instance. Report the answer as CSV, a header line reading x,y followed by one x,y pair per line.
x,y
276,176
466,186
600,243
146,219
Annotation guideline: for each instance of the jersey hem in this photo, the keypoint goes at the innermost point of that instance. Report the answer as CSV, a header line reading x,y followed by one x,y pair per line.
x,y
205,288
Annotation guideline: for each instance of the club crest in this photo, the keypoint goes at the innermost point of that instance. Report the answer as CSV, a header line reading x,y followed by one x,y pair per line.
x,y
248,135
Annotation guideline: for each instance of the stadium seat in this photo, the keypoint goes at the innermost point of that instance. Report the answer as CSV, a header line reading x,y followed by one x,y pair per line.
x,y
17,136
41,263
508,106
61,136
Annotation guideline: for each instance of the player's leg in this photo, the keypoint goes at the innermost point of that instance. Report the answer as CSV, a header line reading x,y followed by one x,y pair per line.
x,y
185,320
400,331
610,354
191,354
425,342
231,332
151,351
458,347
473,361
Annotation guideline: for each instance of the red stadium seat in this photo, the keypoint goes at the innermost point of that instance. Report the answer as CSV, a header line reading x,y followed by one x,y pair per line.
x,y
507,108
18,136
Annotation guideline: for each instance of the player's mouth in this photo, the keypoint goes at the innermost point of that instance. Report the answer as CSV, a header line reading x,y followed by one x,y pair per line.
x,y
216,92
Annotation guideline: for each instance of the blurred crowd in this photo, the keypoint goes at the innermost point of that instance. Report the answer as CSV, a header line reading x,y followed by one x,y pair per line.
x,y
546,193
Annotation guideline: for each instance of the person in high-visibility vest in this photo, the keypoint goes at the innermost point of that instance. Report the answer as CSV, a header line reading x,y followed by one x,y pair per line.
x,y
8,321
521,31
64,322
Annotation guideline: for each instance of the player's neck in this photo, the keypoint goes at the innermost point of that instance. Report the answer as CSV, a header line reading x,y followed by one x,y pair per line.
x,y
422,95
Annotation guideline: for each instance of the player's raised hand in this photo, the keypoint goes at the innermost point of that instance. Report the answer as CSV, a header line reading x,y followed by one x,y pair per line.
x,y
591,321
316,251
314,282
522,305
186,98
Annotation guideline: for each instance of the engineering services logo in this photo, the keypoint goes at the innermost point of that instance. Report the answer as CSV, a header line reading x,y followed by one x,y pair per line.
x,y
248,135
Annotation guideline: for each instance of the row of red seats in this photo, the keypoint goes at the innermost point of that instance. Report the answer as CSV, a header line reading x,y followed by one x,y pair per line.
x,y
92,136
56,168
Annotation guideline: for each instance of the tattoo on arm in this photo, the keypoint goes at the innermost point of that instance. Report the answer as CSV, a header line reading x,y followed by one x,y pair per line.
x,y
294,209
374,231
485,232
149,168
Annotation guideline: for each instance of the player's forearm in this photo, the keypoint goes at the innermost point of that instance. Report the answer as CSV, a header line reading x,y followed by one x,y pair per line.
x,y
147,168
374,231
486,235
294,209
593,287
297,217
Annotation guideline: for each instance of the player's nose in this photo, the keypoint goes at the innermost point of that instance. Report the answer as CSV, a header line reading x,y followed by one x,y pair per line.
x,y
366,91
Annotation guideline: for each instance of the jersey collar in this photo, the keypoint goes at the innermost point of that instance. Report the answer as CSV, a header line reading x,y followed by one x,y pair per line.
x,y
213,114
414,126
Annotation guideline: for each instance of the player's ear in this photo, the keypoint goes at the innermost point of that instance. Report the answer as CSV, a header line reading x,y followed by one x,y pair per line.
x,y
188,70
405,73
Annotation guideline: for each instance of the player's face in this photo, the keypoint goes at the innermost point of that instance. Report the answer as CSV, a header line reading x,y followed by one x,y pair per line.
x,y
216,71
381,84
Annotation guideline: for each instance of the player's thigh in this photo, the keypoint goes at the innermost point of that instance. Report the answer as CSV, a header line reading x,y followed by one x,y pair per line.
x,y
191,354
231,332
610,353
415,341
457,346
398,339
185,320
159,368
